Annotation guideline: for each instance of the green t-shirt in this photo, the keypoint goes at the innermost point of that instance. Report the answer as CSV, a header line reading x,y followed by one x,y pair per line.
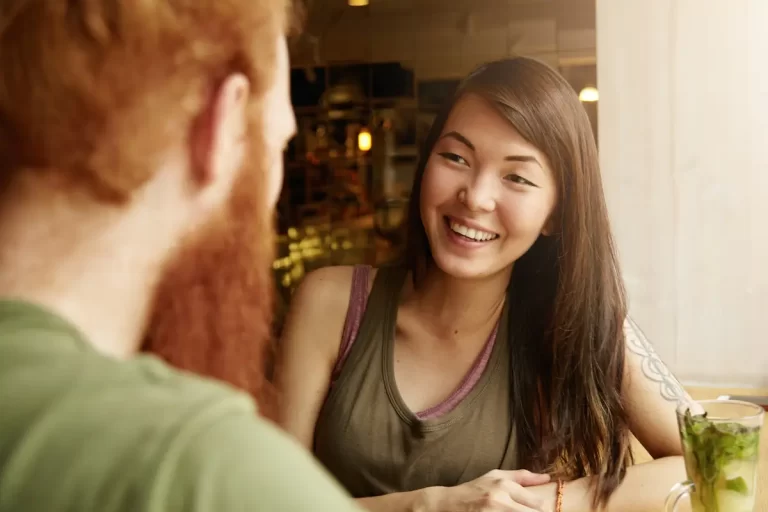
x,y
81,432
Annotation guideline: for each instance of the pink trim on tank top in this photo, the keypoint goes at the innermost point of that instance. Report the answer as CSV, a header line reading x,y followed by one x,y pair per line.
x,y
467,384
358,299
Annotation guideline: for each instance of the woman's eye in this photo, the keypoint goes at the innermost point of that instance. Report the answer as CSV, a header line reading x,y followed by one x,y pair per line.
x,y
516,178
453,157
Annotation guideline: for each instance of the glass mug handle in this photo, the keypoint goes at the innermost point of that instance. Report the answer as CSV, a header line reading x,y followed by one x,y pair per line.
x,y
674,496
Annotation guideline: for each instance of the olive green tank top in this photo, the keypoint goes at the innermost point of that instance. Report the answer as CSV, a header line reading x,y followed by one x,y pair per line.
x,y
369,439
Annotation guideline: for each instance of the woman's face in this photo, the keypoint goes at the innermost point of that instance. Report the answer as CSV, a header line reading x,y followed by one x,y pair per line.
x,y
487,194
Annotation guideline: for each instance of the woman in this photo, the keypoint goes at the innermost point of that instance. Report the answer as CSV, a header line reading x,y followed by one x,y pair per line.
x,y
503,328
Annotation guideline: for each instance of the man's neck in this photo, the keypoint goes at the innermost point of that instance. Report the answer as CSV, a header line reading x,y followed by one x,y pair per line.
x,y
83,264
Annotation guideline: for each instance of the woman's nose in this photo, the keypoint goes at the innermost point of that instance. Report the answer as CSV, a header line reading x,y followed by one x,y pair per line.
x,y
479,195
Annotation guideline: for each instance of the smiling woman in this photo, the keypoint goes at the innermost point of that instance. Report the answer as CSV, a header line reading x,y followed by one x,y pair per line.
x,y
487,193
498,346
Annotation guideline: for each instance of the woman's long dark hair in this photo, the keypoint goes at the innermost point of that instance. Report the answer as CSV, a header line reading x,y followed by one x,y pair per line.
x,y
566,298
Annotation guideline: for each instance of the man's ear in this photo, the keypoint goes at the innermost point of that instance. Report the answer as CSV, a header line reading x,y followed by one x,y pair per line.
x,y
218,134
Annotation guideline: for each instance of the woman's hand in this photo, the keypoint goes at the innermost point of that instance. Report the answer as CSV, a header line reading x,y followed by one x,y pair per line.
x,y
496,491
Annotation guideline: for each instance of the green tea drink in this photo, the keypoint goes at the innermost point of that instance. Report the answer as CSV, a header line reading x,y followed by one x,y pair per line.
x,y
721,462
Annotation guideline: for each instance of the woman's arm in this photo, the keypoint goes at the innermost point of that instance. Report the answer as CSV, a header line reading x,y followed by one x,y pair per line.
x,y
496,491
421,500
644,489
652,395
309,347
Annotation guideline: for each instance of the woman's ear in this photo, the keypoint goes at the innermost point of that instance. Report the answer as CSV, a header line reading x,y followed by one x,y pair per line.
x,y
549,226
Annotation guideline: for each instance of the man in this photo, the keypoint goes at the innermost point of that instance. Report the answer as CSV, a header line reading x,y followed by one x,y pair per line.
x,y
140,160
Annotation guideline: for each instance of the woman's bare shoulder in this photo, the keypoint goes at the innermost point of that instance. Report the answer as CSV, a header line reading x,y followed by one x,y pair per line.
x,y
328,288
321,301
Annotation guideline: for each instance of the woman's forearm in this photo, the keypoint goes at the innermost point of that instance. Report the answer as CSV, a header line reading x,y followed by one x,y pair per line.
x,y
643,490
421,500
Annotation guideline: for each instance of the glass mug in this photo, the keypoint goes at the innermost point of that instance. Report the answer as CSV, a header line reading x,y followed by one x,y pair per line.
x,y
721,449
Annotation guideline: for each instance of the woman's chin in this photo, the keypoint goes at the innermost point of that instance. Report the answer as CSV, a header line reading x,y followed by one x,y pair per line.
x,y
463,268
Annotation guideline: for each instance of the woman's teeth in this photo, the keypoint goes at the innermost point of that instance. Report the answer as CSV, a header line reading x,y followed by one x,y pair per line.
x,y
474,234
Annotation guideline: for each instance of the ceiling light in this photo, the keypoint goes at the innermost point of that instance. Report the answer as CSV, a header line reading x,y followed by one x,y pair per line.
x,y
357,3
589,95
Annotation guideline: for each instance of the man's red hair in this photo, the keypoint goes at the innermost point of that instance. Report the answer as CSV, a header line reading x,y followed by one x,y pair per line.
x,y
99,89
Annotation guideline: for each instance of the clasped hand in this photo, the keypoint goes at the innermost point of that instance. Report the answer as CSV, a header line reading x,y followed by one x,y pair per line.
x,y
496,491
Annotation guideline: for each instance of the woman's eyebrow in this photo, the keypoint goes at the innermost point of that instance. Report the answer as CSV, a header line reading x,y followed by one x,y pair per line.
x,y
511,158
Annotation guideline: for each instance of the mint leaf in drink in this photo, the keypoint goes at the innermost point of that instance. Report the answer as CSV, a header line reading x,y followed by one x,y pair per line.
x,y
737,484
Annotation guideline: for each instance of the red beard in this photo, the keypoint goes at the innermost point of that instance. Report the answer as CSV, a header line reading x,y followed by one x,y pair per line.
x,y
213,307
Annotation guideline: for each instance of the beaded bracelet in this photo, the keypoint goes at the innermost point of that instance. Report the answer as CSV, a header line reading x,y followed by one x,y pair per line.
x,y
559,501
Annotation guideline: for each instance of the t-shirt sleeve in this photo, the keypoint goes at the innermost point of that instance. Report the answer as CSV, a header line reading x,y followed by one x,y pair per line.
x,y
245,463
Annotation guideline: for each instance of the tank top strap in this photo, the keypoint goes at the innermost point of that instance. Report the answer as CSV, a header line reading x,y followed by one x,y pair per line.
x,y
386,287
357,301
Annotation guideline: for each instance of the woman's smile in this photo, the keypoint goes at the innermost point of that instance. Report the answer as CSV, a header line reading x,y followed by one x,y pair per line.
x,y
468,235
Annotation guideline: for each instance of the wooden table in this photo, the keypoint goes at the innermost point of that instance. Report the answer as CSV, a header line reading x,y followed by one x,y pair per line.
x,y
711,393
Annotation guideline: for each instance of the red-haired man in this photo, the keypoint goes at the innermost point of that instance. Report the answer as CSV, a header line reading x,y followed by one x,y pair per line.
x,y
140,160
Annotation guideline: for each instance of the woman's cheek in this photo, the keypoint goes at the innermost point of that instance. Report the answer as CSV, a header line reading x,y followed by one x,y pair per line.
x,y
442,183
522,215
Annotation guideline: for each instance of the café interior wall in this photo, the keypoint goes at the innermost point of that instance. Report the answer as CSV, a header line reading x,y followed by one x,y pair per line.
x,y
683,136
449,42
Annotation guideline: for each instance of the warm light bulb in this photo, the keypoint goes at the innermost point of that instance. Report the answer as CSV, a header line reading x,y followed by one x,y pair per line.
x,y
357,3
589,95
364,141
